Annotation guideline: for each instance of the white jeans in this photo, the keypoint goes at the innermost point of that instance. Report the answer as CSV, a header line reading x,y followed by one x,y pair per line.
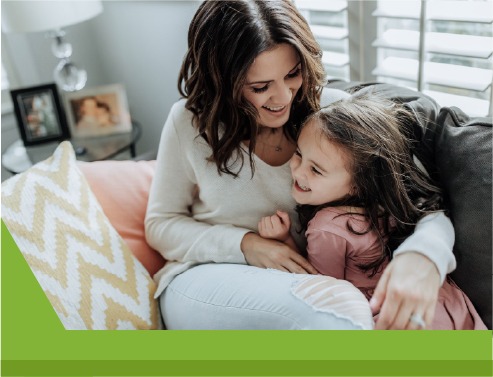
x,y
242,297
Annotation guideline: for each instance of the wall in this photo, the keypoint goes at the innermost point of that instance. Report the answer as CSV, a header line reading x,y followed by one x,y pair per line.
x,y
9,135
143,45
140,44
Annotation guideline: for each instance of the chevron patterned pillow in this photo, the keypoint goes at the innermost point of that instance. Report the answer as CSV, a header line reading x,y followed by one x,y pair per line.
x,y
86,270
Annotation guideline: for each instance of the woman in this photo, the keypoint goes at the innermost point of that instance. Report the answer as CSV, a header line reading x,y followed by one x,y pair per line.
x,y
252,73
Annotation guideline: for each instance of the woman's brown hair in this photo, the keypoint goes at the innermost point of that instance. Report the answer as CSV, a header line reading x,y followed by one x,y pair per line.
x,y
376,133
224,39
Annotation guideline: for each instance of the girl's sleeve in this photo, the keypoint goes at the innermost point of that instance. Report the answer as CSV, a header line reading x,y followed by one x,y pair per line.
x,y
327,253
433,237
168,225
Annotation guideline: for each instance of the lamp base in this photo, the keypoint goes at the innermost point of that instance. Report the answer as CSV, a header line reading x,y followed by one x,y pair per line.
x,y
69,77
66,74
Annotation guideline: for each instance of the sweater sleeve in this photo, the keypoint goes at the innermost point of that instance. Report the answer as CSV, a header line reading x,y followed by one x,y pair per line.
x,y
327,253
168,225
433,237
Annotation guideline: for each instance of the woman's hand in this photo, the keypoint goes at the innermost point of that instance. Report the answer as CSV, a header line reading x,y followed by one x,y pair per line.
x,y
265,253
409,285
275,227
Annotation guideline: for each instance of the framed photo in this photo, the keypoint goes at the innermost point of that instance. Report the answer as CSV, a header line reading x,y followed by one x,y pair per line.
x,y
98,111
39,114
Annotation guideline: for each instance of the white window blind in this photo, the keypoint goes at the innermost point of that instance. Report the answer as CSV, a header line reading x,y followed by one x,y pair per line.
x,y
328,21
451,61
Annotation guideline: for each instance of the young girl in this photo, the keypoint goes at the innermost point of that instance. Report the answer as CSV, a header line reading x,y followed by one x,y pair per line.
x,y
360,195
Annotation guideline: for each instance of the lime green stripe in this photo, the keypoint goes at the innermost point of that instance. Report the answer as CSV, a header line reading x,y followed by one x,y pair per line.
x,y
248,368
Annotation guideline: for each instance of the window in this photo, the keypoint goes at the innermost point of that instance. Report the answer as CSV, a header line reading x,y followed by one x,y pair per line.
x,y
328,21
452,63
443,50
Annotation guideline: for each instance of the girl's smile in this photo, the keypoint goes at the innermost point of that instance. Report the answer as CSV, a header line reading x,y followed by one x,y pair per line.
x,y
301,187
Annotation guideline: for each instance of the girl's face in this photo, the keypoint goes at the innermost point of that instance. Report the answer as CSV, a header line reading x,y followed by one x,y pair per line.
x,y
272,83
319,169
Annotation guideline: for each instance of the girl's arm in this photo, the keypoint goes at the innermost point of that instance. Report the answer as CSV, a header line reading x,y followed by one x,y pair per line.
x,y
169,227
274,231
327,252
278,227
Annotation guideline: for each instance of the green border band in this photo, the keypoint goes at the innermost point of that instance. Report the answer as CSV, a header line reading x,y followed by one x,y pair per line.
x,y
248,368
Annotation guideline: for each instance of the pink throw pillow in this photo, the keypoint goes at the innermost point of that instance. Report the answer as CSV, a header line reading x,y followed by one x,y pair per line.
x,y
122,189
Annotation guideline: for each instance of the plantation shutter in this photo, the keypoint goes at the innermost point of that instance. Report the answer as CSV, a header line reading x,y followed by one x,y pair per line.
x,y
328,21
442,48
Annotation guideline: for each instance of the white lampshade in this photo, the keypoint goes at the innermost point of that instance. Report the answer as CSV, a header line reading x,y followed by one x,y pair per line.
x,y
34,16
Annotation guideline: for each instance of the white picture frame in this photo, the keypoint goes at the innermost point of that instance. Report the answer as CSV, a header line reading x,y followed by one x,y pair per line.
x,y
98,111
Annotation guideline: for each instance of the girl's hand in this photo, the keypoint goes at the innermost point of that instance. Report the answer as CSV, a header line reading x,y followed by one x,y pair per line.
x,y
275,227
409,285
265,253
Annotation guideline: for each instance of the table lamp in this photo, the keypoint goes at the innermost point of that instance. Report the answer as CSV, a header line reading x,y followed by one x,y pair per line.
x,y
52,16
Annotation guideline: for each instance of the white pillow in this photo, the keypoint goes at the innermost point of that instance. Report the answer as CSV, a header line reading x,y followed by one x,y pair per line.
x,y
83,265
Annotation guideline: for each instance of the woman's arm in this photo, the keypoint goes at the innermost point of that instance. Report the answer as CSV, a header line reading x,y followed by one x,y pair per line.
x,y
265,253
169,227
434,238
410,283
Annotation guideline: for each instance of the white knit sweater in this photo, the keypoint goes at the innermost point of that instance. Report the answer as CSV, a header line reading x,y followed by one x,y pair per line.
x,y
228,208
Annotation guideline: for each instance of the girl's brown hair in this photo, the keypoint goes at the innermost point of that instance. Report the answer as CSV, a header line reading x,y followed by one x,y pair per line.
x,y
377,134
224,39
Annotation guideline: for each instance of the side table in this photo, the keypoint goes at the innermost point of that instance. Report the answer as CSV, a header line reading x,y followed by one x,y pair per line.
x,y
17,158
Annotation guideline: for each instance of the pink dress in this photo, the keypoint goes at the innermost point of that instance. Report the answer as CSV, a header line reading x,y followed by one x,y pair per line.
x,y
335,251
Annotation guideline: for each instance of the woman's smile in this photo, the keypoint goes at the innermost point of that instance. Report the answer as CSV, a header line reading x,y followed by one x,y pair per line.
x,y
276,111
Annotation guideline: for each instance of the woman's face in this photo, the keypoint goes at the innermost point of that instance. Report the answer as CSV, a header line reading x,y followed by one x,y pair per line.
x,y
89,107
272,83
319,169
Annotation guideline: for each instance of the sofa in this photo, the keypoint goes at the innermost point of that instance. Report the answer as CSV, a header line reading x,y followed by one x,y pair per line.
x,y
80,226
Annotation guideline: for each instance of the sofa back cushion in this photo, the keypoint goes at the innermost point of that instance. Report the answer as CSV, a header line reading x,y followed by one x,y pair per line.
x,y
122,189
463,155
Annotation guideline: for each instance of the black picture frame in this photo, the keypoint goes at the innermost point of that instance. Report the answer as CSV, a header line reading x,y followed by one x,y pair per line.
x,y
40,114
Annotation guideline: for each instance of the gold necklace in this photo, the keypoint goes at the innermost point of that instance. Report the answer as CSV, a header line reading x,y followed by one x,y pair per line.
x,y
278,147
